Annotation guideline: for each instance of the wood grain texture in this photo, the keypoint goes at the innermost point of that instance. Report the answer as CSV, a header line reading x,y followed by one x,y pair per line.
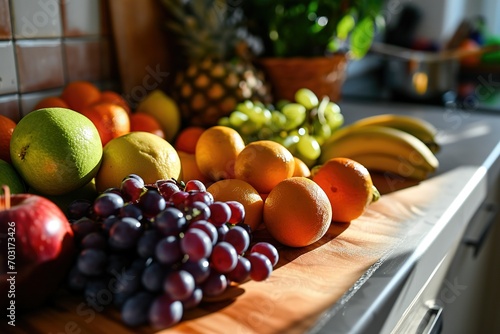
x,y
305,282
142,46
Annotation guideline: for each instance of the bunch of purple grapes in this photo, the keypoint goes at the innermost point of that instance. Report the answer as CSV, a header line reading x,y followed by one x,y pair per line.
x,y
156,251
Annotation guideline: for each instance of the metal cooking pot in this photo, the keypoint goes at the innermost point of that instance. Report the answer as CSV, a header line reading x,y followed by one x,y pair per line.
x,y
420,75
422,79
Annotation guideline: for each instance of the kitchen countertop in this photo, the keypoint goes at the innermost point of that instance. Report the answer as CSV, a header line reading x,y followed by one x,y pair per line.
x,y
469,169
353,280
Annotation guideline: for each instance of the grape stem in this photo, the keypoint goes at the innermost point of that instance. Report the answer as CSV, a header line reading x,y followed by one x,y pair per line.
x,y
5,203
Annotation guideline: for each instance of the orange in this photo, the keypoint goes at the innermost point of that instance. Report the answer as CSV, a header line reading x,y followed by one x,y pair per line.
x,y
190,170
241,191
110,119
264,164
216,152
113,97
80,94
187,138
301,169
141,153
146,123
51,102
297,212
348,185
6,129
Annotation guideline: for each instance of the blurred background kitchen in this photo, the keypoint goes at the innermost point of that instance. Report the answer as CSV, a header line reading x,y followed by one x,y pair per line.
x,y
45,44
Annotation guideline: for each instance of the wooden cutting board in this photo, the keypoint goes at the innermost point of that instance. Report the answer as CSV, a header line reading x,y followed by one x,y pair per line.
x,y
304,284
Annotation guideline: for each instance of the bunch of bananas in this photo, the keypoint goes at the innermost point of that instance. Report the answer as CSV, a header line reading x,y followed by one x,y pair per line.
x,y
404,146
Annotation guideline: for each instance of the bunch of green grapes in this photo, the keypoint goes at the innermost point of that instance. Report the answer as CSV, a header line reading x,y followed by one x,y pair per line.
x,y
301,126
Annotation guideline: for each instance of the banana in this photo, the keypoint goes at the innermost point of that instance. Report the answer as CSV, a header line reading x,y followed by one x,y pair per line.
x,y
420,128
391,164
372,139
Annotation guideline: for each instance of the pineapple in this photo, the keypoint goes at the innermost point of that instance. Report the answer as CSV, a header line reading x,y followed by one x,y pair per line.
x,y
217,75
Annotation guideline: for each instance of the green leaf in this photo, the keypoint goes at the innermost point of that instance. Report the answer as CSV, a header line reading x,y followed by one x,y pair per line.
x,y
345,26
362,37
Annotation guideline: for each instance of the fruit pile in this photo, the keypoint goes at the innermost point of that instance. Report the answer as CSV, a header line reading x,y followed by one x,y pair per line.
x,y
176,208
173,245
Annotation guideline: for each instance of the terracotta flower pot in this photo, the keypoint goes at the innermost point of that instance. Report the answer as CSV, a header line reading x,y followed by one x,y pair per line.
x,y
323,75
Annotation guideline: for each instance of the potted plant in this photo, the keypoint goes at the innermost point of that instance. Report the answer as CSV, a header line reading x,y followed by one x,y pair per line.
x,y
308,43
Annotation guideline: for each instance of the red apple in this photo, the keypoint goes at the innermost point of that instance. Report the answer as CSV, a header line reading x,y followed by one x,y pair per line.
x,y
36,249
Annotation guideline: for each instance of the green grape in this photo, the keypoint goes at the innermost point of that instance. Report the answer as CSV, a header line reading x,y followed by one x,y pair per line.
x,y
245,106
307,98
248,128
224,121
295,115
336,121
322,131
266,116
277,121
290,142
265,133
281,103
332,107
309,147
237,118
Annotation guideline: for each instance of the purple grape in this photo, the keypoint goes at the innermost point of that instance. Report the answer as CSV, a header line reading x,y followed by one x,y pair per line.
x,y
193,300
166,188
165,312
108,222
78,208
154,276
107,204
152,203
220,213
84,226
239,238
134,176
168,250
113,190
94,240
195,185
97,293
178,198
76,279
241,272
206,227
135,310
131,188
224,257
116,263
261,266
199,196
147,243
128,283
215,284
268,250
221,231
237,212
170,221
92,262
131,210
125,233
179,284
197,211
198,269
196,244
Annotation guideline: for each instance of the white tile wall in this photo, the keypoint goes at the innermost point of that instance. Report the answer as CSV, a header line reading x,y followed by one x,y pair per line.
x,y
36,18
8,77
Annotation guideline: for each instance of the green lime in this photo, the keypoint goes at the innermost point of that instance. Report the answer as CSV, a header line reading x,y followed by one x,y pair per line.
x,y
56,150
9,177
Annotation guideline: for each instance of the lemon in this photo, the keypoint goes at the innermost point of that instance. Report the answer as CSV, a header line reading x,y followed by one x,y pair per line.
x,y
56,150
164,109
9,177
141,153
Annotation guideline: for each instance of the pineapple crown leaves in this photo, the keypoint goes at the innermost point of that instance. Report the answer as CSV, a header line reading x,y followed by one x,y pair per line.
x,y
203,27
